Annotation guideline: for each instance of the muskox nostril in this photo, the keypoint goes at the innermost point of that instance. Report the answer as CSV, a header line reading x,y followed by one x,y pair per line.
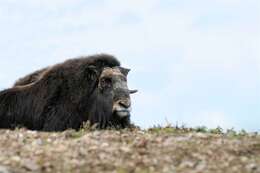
x,y
125,104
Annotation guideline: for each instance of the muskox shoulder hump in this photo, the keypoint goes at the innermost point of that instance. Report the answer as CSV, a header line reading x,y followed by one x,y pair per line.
x,y
98,60
31,78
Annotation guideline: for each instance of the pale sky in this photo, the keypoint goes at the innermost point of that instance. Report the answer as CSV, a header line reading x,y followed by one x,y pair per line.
x,y
194,62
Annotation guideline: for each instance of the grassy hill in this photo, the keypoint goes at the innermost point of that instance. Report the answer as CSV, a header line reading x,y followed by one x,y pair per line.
x,y
162,150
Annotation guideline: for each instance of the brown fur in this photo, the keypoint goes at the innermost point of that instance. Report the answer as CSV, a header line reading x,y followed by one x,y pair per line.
x,y
31,78
60,97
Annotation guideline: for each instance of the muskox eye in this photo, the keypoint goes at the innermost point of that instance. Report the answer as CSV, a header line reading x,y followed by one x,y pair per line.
x,y
106,82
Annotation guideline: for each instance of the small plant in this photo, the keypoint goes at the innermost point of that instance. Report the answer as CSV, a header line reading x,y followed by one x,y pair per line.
x,y
86,126
243,133
217,130
231,132
202,129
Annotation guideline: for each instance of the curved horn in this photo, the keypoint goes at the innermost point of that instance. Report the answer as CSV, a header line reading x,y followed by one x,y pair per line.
x,y
124,71
133,91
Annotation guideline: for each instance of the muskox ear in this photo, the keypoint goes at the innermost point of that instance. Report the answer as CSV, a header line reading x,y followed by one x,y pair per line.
x,y
124,71
91,72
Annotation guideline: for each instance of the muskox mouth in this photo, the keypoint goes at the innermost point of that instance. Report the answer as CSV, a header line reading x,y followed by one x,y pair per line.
x,y
123,113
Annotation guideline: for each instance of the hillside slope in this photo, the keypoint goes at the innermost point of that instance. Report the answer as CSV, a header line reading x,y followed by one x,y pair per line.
x,y
161,150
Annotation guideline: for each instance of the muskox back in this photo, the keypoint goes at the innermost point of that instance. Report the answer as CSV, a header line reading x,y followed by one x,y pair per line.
x,y
31,78
55,98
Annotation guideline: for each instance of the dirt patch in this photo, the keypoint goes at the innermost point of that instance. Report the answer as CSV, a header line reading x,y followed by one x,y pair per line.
x,y
158,150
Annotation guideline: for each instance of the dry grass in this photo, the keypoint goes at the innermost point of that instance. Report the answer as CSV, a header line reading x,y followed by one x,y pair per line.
x,y
155,150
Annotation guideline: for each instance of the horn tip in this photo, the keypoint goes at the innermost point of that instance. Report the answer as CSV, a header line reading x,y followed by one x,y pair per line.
x,y
133,91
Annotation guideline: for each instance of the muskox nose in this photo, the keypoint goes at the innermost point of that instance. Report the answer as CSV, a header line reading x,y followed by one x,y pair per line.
x,y
125,103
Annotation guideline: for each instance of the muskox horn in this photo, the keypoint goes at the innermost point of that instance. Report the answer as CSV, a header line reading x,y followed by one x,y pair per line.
x,y
133,91
124,71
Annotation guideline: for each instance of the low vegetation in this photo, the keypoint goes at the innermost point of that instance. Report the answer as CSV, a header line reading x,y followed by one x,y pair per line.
x,y
155,150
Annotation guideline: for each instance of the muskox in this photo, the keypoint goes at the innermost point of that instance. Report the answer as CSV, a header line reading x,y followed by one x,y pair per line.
x,y
64,96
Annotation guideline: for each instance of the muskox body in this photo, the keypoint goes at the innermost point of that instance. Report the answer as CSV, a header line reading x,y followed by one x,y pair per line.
x,y
62,96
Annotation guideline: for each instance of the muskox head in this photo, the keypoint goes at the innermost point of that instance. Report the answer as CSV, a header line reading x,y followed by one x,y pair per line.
x,y
113,86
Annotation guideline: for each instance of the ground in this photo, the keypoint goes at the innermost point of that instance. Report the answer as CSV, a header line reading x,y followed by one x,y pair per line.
x,y
157,150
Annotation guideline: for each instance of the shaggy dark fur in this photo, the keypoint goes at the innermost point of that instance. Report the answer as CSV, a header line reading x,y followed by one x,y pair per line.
x,y
31,78
61,97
